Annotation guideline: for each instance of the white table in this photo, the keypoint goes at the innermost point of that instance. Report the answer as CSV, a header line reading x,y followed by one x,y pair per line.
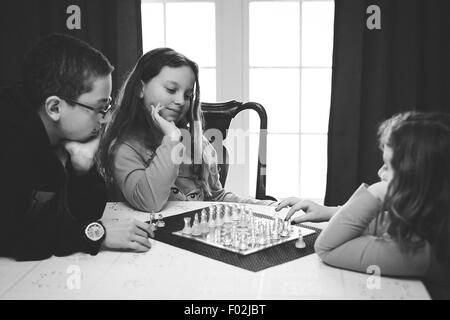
x,y
167,272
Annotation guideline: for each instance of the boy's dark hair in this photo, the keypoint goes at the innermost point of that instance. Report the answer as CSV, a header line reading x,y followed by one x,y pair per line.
x,y
61,65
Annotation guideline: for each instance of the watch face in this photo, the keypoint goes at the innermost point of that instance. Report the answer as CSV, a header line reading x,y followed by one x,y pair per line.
x,y
94,231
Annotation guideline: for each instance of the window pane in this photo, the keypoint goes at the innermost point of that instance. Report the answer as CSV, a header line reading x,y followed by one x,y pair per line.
x,y
282,164
274,33
317,33
152,26
207,78
313,166
316,95
191,30
278,91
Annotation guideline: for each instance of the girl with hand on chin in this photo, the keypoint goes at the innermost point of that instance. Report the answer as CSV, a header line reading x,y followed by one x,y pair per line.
x,y
140,151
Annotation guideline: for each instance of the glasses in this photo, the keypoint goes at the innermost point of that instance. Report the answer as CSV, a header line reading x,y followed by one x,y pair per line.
x,y
103,111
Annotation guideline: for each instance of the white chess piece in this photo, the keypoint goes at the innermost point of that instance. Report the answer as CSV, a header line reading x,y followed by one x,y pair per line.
x,y
187,226
196,226
300,243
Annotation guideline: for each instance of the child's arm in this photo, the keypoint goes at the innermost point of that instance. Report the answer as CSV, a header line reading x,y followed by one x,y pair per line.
x,y
147,188
313,212
342,243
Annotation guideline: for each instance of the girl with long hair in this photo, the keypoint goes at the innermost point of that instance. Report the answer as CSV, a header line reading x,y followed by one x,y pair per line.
x,y
140,151
400,225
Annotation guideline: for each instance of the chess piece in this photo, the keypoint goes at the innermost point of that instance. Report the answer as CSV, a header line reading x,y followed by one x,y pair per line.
x,y
160,223
226,216
243,244
203,223
211,221
285,231
252,241
275,235
300,243
267,233
219,220
196,226
187,226
234,215
227,240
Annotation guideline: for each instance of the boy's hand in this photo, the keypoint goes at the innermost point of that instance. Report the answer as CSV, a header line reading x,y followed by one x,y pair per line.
x,y
313,212
82,154
127,234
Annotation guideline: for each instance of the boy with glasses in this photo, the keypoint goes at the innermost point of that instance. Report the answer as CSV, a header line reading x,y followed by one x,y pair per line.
x,y
52,196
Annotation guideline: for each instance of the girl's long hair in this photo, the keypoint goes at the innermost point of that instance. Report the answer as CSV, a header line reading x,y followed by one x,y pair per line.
x,y
417,202
129,116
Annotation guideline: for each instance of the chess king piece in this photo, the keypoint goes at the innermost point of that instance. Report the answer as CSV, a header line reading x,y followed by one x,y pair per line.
x,y
300,243
187,226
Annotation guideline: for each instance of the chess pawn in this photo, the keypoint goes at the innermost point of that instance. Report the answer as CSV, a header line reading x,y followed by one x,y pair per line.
x,y
261,240
285,231
277,225
211,222
196,226
300,243
234,215
160,223
236,241
219,220
227,240
243,244
291,227
252,241
275,235
243,219
203,223
187,226
217,235
267,233
226,216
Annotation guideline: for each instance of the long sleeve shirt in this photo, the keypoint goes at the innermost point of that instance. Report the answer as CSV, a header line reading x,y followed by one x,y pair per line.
x,y
45,206
148,178
354,239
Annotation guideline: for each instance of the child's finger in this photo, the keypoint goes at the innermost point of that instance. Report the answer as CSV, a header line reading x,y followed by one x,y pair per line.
x,y
287,203
303,218
296,207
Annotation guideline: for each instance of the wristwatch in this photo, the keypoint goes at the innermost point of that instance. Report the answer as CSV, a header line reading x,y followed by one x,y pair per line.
x,y
95,233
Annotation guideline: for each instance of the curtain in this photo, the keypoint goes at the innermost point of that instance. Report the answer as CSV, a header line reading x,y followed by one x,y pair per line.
x,y
404,65
111,26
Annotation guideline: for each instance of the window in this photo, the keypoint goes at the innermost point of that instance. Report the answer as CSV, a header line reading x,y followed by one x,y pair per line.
x,y
187,27
277,53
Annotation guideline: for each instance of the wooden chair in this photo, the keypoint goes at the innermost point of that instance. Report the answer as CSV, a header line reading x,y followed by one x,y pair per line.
x,y
218,116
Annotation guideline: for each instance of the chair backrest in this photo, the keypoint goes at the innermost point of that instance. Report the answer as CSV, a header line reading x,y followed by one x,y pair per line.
x,y
218,116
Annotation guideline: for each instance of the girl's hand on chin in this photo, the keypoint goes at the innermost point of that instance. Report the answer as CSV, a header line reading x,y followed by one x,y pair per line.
x,y
168,128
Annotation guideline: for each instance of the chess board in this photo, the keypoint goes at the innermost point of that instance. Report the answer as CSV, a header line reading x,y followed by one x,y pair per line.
x,y
236,228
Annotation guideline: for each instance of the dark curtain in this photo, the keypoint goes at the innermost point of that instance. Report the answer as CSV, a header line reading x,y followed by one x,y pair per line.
x,y
405,65
111,26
